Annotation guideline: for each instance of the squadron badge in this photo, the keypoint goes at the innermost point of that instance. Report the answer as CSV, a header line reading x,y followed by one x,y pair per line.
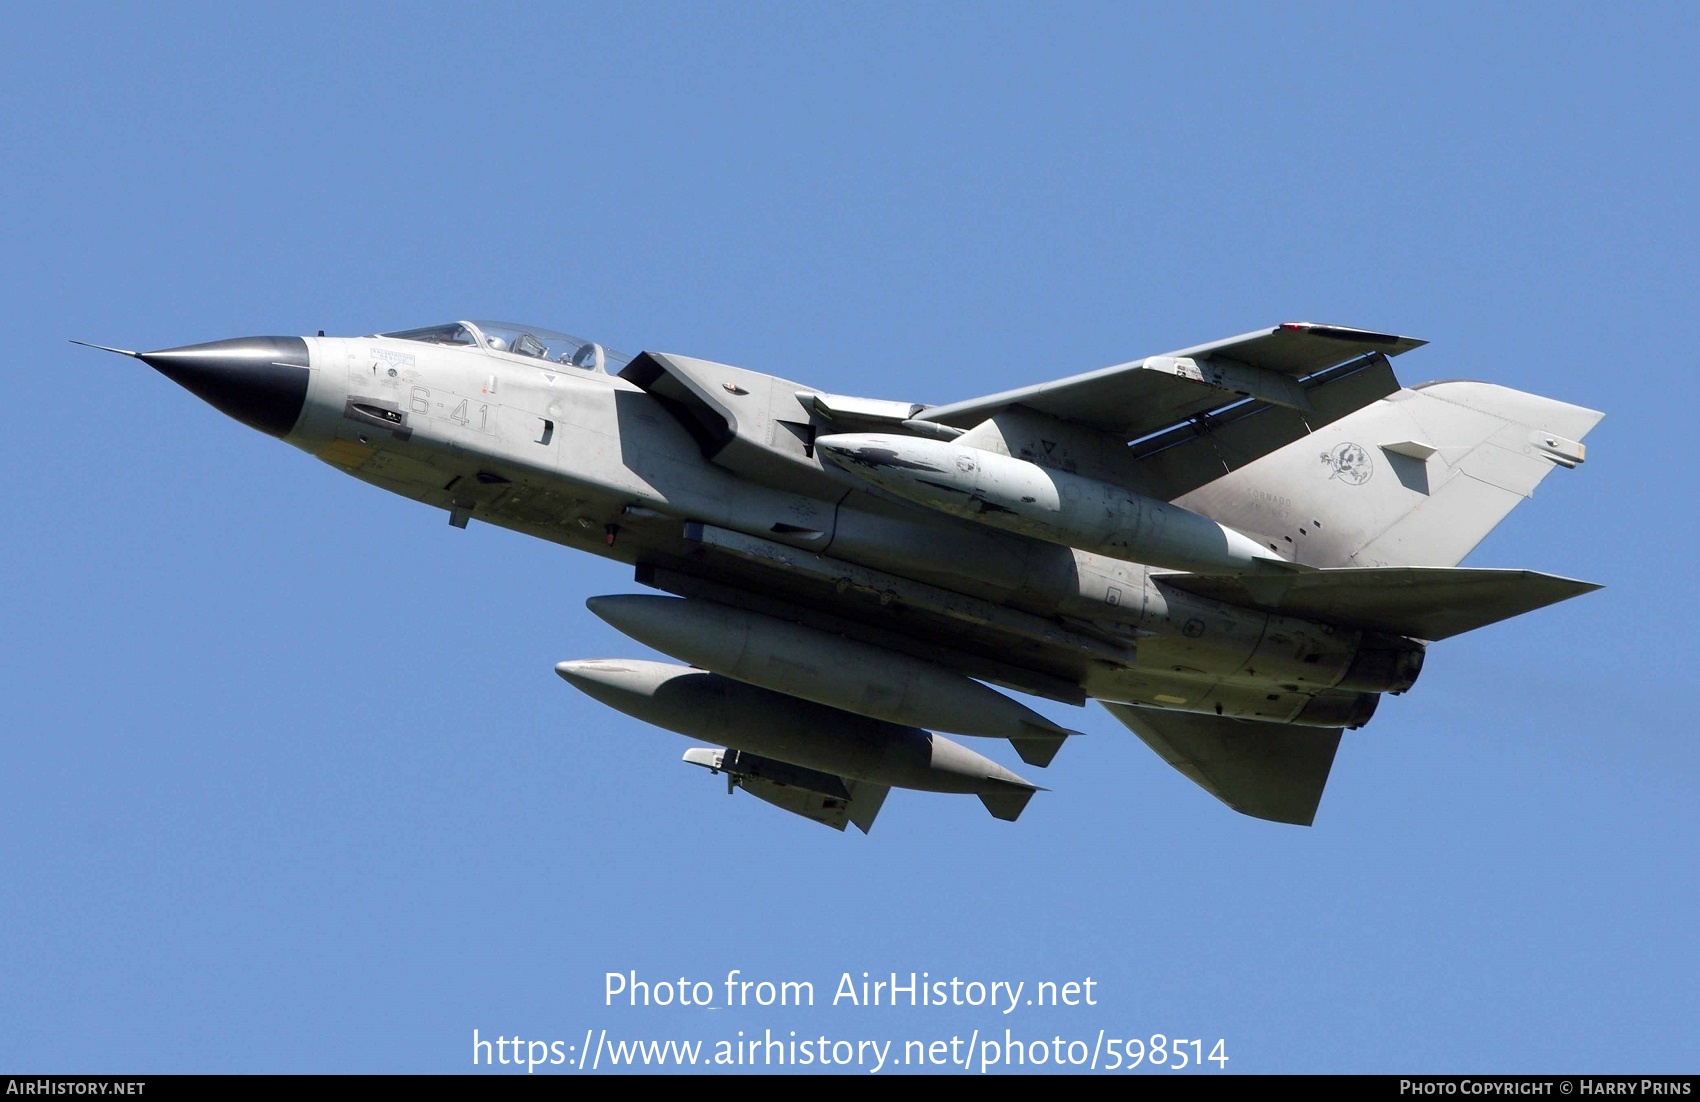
x,y
1350,463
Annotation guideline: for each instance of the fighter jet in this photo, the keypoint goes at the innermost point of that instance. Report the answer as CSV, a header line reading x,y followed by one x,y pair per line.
x,y
1237,548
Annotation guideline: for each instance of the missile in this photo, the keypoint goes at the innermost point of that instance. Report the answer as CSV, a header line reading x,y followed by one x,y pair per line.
x,y
829,669
1046,504
789,729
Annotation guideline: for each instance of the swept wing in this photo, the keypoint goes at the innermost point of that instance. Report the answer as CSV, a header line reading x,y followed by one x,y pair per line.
x,y
1135,399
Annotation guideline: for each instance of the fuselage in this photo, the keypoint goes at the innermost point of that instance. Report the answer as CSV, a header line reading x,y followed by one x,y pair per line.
x,y
536,432
1200,540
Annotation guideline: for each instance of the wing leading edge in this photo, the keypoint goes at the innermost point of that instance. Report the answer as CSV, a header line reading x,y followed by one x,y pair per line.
x,y
1135,399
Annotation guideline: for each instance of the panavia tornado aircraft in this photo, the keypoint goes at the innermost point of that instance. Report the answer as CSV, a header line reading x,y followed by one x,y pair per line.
x,y
1236,547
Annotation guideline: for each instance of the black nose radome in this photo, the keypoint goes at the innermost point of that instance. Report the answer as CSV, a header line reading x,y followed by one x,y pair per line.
x,y
260,381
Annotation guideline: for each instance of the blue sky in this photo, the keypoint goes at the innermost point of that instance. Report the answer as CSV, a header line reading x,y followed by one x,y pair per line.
x,y
288,782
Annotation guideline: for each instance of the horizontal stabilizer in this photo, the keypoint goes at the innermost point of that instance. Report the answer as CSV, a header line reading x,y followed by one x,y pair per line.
x,y
826,799
1423,602
1273,771
1007,806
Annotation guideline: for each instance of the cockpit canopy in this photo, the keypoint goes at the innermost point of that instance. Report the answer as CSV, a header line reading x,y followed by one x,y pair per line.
x,y
529,341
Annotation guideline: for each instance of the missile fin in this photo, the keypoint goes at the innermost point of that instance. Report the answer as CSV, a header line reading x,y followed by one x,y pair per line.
x,y
866,799
1039,747
1038,752
1007,806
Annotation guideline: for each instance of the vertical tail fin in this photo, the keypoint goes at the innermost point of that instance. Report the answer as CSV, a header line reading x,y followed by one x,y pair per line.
x,y
1415,479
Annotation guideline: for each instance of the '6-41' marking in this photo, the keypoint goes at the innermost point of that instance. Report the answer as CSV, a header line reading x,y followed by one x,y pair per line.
x,y
465,412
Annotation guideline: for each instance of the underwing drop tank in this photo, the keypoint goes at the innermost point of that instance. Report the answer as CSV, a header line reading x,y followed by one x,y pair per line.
x,y
800,732
1046,504
829,669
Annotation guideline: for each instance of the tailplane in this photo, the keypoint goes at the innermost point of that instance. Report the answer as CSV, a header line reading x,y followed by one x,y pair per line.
x,y
1422,602
1273,771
